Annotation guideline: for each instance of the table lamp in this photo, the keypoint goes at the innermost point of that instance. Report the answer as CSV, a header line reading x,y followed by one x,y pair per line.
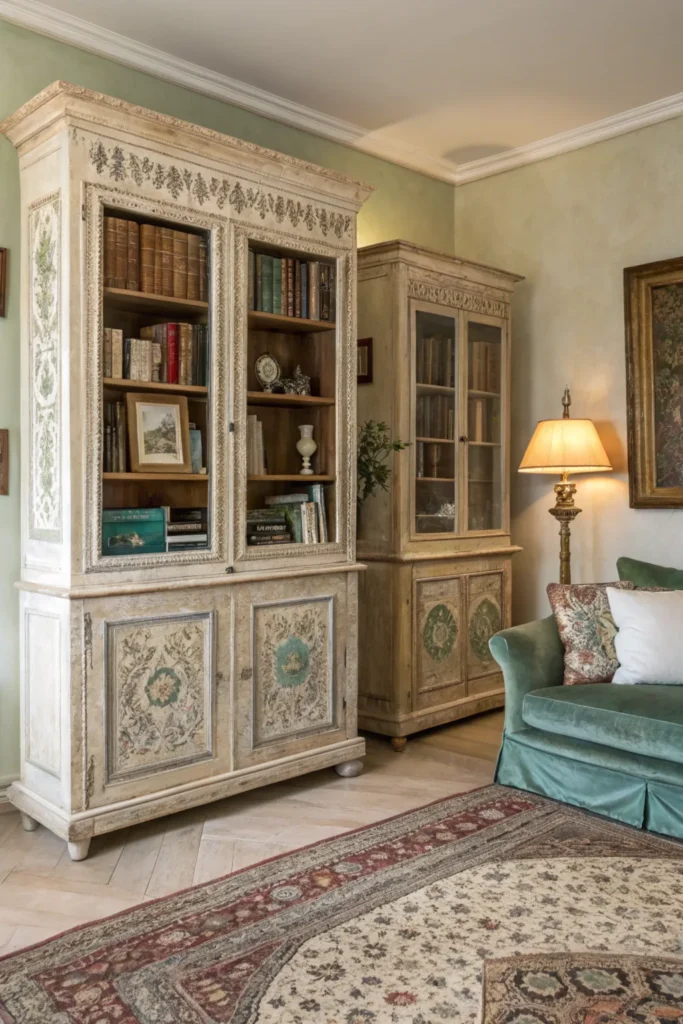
x,y
565,446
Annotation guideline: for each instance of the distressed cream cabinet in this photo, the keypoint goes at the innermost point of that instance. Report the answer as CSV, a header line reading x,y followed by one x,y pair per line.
x,y
437,544
153,682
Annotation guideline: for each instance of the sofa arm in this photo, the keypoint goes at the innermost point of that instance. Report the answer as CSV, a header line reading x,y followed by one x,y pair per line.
x,y
531,657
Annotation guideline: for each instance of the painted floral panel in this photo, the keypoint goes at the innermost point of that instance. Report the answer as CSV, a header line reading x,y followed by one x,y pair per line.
x,y
667,345
484,618
159,692
587,630
438,640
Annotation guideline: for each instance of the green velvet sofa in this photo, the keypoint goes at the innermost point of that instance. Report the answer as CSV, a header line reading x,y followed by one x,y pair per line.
x,y
615,750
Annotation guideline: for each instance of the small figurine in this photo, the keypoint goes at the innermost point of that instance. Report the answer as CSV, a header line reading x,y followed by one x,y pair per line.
x,y
298,384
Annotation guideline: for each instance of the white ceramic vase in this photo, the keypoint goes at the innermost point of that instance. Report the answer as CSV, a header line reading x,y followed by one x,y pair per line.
x,y
306,448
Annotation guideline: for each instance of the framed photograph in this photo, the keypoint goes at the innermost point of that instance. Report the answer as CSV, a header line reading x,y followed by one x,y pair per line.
x,y
654,369
365,361
159,434
3,282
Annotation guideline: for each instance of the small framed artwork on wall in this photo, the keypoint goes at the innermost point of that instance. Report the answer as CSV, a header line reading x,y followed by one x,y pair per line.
x,y
3,282
365,360
653,296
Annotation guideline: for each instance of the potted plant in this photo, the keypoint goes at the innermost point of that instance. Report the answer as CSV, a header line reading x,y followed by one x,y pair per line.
x,y
374,448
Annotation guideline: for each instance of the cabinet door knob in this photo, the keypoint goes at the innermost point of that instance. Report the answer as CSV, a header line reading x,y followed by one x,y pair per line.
x,y
463,439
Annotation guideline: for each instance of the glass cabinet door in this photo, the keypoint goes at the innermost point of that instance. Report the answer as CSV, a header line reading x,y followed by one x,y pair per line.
x,y
435,451
485,455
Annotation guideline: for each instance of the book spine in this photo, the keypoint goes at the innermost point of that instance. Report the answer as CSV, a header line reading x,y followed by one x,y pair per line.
x,y
172,336
333,293
147,254
179,265
313,292
116,353
258,281
193,266
290,286
166,261
305,526
158,288
133,263
185,354
297,288
324,292
203,271
121,252
304,290
277,285
156,361
267,527
110,252
126,359
106,352
257,541
251,283
267,284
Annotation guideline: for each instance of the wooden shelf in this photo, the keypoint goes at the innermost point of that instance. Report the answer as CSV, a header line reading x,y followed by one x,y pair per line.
x,y
149,385
435,479
483,394
286,401
129,478
485,444
143,302
469,481
436,440
287,324
435,389
319,478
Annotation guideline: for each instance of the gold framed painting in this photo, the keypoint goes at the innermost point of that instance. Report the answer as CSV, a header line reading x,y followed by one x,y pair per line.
x,y
158,433
653,296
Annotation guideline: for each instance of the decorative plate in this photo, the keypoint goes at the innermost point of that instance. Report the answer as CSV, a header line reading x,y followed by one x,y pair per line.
x,y
267,371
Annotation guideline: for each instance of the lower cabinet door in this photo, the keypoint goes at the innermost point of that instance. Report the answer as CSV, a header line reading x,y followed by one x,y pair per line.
x,y
438,641
485,616
158,710
291,638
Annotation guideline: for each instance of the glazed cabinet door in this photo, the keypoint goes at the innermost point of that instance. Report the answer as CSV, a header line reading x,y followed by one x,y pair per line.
x,y
158,711
438,641
295,639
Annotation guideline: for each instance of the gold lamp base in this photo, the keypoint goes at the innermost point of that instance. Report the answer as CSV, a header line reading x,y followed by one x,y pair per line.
x,y
565,511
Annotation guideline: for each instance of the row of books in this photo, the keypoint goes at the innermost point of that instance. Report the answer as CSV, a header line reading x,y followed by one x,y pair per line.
x,y
159,261
114,455
434,461
256,457
484,369
299,518
435,362
136,531
291,287
483,422
170,353
435,416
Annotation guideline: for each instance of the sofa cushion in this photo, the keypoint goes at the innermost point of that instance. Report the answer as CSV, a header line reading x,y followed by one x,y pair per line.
x,y
587,630
644,720
648,574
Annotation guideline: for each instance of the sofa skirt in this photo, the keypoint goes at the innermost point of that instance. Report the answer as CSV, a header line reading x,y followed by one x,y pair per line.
x,y
636,790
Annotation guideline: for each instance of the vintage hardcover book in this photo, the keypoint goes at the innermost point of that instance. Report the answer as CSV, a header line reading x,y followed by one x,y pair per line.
x,y
179,264
266,527
258,281
313,290
290,286
324,291
166,261
193,266
277,284
333,293
156,361
203,271
317,494
120,437
133,263
304,290
251,282
196,450
267,284
286,499
106,353
121,252
147,255
256,540
185,354
265,515
173,353
158,264
116,353
110,252
128,531
297,288
312,522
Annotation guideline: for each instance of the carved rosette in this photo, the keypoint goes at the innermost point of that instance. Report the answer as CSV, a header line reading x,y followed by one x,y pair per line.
x,y
484,618
438,641
158,683
447,295
293,690
45,492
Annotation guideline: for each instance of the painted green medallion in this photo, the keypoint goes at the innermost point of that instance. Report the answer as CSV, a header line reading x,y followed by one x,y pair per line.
x,y
162,687
484,623
292,662
439,632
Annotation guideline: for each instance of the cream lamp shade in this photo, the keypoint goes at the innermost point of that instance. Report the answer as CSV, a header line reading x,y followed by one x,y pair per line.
x,y
565,446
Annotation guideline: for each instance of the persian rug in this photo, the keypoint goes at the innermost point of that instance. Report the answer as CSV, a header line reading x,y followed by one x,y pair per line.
x,y
582,988
387,925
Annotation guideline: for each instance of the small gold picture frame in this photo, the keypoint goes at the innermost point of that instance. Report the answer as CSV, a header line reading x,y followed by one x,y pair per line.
x,y
158,433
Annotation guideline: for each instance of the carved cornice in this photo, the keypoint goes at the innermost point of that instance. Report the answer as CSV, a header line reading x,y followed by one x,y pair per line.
x,y
447,295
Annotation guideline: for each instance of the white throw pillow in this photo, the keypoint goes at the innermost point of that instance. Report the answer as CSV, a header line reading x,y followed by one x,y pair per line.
x,y
649,641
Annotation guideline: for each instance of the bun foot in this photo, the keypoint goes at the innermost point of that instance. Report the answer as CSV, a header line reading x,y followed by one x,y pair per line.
x,y
399,743
349,769
79,849
28,823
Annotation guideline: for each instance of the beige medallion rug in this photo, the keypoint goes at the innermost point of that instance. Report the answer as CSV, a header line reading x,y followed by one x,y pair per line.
x,y
392,923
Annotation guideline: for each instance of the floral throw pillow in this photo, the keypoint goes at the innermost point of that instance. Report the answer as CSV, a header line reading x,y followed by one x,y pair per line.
x,y
587,630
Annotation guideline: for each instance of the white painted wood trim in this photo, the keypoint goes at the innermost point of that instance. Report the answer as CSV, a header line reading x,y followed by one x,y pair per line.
x,y
5,782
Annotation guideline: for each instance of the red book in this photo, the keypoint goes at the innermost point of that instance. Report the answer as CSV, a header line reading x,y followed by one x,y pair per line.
x,y
173,350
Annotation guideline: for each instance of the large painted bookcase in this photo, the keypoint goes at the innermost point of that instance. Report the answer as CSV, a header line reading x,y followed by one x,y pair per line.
x,y
155,681
437,544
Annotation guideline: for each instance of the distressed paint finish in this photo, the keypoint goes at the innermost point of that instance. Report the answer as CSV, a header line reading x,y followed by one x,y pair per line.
x,y
438,633
485,616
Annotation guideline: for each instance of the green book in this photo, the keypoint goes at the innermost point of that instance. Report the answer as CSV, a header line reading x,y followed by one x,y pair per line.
x,y
292,514
133,531
267,284
277,285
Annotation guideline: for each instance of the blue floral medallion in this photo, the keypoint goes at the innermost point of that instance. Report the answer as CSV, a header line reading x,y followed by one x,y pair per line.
x,y
162,688
292,662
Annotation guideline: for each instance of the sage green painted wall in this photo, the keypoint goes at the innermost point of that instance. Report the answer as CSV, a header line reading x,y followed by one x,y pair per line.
x,y
571,224
405,205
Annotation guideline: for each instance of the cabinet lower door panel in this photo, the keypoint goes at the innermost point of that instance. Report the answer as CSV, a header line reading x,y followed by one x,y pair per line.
x,y
485,616
438,641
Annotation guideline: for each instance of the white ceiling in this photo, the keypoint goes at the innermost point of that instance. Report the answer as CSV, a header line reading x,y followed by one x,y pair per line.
x,y
431,83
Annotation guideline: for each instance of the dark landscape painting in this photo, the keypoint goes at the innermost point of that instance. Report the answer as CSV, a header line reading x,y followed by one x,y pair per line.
x,y
667,351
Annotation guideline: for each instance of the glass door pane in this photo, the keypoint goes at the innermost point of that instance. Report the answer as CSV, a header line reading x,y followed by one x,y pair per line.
x,y
435,458
484,412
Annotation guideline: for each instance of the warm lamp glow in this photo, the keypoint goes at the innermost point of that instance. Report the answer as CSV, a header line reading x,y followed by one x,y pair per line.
x,y
565,446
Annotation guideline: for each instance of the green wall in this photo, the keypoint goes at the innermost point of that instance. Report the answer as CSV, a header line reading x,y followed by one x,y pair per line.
x,y
405,205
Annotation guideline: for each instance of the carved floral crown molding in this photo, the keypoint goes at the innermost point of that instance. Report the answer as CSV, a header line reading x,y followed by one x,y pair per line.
x,y
68,28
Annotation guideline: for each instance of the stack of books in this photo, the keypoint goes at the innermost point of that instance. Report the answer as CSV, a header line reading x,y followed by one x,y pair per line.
x,y
256,456
267,526
186,528
484,368
435,362
435,417
114,459
133,531
168,353
291,287
304,512
155,260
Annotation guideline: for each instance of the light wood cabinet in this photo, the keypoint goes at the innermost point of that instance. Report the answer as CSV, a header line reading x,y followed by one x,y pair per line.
x,y
160,674
437,544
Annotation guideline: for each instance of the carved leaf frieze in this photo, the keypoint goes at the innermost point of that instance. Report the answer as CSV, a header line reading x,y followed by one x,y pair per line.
x,y
445,295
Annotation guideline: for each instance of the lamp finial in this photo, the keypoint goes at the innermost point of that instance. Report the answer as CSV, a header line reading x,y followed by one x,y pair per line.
x,y
566,402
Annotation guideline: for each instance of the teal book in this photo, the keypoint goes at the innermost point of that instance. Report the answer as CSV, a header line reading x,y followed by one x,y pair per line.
x,y
267,284
292,514
133,531
277,285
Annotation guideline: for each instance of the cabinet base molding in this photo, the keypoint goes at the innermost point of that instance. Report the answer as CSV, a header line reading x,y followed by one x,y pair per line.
x,y
83,825
400,728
